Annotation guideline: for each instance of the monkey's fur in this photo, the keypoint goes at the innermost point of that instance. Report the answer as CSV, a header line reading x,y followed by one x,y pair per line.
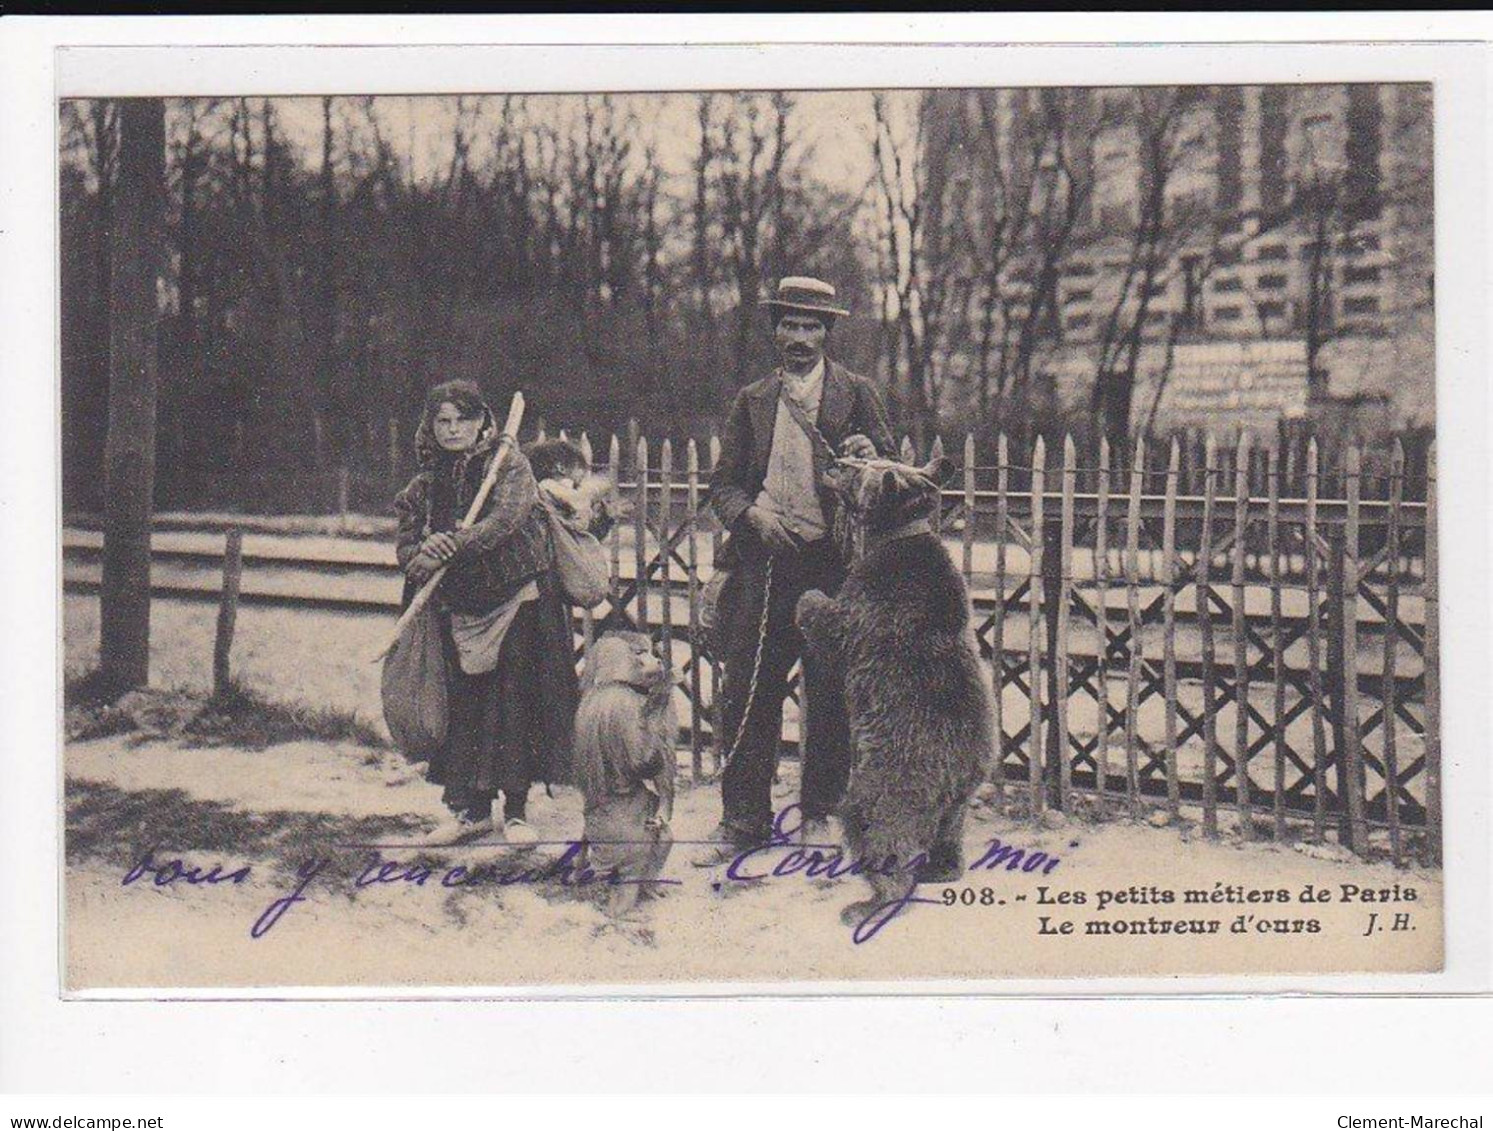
x,y
625,729
921,715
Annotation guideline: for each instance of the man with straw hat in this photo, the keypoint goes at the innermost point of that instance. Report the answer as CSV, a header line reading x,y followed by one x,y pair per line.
x,y
770,494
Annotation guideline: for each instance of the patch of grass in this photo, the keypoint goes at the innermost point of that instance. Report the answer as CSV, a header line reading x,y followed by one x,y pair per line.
x,y
243,717
119,826
87,689
90,709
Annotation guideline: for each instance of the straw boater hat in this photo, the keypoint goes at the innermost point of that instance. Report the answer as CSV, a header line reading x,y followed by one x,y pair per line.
x,y
799,292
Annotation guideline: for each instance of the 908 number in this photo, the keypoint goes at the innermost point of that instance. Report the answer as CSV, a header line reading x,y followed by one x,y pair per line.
x,y
968,897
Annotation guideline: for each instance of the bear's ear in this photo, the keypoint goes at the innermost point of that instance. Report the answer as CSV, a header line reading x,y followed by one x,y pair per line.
x,y
939,469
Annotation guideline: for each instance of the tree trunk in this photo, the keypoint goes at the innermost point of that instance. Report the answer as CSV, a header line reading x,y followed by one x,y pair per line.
x,y
334,399
129,452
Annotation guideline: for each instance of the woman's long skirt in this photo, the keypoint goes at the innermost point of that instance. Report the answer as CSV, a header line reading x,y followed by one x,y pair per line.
x,y
511,726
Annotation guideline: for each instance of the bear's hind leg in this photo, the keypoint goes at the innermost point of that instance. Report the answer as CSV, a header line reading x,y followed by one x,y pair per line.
x,y
945,860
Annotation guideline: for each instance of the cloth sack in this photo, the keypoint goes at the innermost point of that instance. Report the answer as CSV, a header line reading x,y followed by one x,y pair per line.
x,y
580,562
414,687
479,636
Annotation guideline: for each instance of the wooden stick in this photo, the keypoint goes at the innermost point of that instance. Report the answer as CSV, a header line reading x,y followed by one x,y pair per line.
x,y
506,443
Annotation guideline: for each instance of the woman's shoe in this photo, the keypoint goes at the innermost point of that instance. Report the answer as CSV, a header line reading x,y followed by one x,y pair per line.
x,y
518,833
455,830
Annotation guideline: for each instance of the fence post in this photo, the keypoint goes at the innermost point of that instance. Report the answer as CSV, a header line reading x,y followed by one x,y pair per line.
x,y
1058,561
393,451
665,513
1391,646
614,473
233,569
1314,642
1205,624
1101,619
936,453
640,531
344,491
1351,760
692,580
998,629
1035,590
1132,613
1243,803
1169,624
967,534
715,662
1277,643
1433,665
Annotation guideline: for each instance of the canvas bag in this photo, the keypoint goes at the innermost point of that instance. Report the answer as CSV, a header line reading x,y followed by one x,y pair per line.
x,y
580,562
414,687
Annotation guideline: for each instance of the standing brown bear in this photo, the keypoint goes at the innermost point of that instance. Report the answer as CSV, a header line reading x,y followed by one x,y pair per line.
x,y
921,716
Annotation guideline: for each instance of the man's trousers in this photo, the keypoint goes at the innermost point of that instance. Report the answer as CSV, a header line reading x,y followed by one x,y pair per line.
x,y
746,782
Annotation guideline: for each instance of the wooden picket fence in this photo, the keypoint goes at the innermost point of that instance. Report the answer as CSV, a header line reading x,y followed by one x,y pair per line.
x,y
1248,632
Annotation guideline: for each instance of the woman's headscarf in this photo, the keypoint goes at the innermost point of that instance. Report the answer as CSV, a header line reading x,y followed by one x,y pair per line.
x,y
467,398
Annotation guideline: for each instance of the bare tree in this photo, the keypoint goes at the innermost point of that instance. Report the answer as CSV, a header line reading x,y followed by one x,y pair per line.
x,y
911,179
752,150
1163,226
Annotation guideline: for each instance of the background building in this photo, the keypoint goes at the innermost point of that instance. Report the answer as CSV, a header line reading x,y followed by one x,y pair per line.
x,y
1227,256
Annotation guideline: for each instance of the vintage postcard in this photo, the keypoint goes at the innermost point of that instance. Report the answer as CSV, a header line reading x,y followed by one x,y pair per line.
x,y
749,536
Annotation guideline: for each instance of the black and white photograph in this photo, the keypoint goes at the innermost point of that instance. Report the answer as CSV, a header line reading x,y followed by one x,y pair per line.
x,y
778,536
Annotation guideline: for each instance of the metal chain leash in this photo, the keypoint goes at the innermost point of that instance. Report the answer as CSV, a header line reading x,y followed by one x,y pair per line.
x,y
756,666
802,417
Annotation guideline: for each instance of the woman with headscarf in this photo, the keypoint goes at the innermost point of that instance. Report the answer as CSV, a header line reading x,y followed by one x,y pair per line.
x,y
511,683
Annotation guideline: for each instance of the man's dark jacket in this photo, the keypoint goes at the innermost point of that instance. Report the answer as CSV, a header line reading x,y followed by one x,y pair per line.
x,y
849,404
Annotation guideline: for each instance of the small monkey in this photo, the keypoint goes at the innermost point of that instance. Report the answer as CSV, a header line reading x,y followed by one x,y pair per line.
x,y
625,729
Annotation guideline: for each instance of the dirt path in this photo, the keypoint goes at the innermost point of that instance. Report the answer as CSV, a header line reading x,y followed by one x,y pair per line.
x,y
275,810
